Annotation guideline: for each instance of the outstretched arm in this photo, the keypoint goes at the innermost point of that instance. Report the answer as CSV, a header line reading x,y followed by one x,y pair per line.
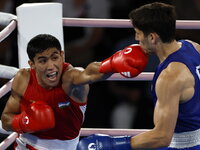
x,y
129,62
88,75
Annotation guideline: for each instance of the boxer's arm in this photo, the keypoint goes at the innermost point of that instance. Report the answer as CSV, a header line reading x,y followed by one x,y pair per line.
x,y
129,62
12,106
91,74
169,87
77,76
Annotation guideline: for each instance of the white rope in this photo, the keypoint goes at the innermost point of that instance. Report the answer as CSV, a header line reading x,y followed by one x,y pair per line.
x,y
7,30
7,72
83,22
112,132
188,24
92,22
8,141
5,88
116,77
6,18
144,76
121,23
84,132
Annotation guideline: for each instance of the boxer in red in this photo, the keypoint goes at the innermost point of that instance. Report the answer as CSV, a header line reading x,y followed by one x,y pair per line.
x,y
48,100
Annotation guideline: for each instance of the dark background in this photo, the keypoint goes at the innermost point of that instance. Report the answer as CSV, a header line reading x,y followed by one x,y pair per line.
x,y
106,97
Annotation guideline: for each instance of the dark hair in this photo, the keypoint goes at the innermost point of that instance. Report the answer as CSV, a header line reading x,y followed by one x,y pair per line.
x,y
155,17
40,43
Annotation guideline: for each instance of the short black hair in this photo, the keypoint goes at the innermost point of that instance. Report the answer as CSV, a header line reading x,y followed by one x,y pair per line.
x,y
155,17
40,43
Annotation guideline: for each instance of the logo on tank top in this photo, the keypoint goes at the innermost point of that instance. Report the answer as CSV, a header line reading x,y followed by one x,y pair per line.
x,y
64,104
95,146
92,146
198,71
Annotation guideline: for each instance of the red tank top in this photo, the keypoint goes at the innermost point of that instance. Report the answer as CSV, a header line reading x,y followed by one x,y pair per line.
x,y
68,115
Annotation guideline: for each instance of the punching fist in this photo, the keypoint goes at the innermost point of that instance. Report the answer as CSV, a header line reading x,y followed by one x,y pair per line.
x,y
38,116
129,62
104,142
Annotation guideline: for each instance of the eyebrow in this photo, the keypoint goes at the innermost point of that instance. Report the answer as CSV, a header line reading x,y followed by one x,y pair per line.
x,y
44,57
41,57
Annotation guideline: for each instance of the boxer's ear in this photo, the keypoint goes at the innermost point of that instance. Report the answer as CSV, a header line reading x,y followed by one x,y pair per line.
x,y
153,37
62,55
31,64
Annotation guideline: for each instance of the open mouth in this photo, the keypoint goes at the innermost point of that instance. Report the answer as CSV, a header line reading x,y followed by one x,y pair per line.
x,y
52,76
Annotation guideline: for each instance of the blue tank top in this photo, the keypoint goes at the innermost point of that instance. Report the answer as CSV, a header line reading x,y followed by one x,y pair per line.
x,y
189,112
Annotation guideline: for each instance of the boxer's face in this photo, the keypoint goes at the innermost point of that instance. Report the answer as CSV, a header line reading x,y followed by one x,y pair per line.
x,y
144,41
48,66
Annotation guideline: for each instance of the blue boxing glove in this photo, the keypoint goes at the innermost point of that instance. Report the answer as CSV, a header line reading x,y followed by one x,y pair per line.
x,y
104,142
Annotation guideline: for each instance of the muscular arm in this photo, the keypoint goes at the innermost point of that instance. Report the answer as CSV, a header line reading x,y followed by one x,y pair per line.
x,y
171,88
88,75
129,62
76,80
13,104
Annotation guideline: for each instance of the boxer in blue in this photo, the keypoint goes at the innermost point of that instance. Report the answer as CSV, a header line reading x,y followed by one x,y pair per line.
x,y
175,86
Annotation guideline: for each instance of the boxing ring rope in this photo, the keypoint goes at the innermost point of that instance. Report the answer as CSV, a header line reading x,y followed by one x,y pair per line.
x,y
83,22
93,22
84,132
8,141
144,76
5,88
112,132
8,20
7,30
112,23
121,23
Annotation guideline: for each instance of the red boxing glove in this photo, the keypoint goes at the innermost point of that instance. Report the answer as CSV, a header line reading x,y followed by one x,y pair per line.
x,y
129,62
38,116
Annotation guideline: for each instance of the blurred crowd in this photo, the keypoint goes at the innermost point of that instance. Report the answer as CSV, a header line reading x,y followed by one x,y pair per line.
x,y
112,104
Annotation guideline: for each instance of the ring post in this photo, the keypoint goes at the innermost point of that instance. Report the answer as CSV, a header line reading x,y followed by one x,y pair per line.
x,y
37,18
